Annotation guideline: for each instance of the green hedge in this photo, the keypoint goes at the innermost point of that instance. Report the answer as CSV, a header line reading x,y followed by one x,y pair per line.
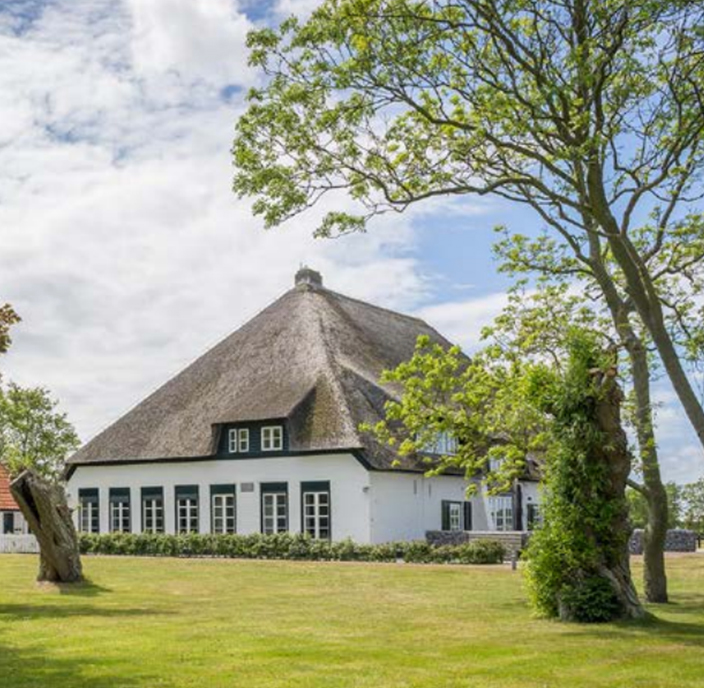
x,y
288,546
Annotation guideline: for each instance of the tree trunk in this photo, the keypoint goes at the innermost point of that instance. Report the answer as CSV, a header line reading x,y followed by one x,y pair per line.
x,y
654,577
646,298
44,506
614,455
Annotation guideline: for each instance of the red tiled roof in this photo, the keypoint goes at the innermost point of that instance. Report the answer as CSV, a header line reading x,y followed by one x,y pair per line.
x,y
7,503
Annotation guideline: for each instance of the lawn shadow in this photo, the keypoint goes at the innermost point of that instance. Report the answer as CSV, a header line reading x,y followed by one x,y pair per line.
x,y
686,606
30,610
29,668
85,588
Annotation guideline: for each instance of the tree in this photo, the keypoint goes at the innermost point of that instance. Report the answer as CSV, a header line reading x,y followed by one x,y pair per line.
x,y
33,434
589,112
567,410
29,424
538,323
693,506
43,504
8,317
638,506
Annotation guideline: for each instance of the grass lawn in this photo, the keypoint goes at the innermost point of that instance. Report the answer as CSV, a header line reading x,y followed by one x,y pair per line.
x,y
216,623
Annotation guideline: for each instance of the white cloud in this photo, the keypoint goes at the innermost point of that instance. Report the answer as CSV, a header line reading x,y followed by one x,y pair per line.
x,y
462,321
200,40
301,8
123,247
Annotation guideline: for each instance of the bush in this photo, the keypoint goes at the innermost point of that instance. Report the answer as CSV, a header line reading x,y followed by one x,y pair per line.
x,y
294,546
591,600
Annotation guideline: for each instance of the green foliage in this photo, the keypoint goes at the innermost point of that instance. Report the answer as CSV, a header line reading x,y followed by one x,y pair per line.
x,y
481,403
33,434
577,538
288,546
8,317
693,506
638,506
589,600
401,100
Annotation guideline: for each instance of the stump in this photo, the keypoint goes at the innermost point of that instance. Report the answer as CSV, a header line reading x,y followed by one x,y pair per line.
x,y
44,506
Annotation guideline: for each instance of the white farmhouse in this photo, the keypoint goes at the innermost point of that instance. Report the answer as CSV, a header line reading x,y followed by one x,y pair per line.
x,y
261,434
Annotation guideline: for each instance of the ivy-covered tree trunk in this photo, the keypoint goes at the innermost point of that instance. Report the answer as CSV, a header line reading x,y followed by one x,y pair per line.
x,y
614,458
654,576
578,561
44,506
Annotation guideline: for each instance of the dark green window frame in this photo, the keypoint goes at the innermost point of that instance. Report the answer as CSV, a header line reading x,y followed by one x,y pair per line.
x,y
464,512
316,509
152,501
120,510
280,522
218,500
88,510
187,509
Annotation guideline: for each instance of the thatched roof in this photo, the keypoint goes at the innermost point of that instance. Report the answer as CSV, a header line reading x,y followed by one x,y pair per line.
x,y
313,357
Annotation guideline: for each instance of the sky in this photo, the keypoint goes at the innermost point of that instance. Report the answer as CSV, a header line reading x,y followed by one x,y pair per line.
x,y
122,245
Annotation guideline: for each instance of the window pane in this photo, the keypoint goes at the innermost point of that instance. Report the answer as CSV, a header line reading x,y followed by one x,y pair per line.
x,y
232,441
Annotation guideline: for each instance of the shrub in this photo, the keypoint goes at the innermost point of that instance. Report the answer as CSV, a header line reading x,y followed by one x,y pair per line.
x,y
294,546
591,600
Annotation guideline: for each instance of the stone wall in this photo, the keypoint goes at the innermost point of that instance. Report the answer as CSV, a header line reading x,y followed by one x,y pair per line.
x,y
515,540
512,540
676,541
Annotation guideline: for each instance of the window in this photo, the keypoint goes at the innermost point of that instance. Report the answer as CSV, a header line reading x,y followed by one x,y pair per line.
x,y
8,523
238,440
495,465
186,509
272,438
88,510
152,510
120,510
315,505
456,515
533,516
222,509
274,508
501,512
444,443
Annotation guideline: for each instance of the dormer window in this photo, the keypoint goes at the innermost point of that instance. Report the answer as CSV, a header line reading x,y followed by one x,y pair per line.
x,y
272,438
444,443
238,440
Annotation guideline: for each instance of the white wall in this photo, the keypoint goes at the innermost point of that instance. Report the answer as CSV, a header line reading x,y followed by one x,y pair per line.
x,y
348,480
405,505
530,494
19,522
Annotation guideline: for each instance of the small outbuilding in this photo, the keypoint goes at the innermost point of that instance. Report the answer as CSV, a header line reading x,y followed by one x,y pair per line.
x,y
12,521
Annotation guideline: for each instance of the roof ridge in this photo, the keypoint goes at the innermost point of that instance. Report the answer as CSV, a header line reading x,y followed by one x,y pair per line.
x,y
383,309
332,366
